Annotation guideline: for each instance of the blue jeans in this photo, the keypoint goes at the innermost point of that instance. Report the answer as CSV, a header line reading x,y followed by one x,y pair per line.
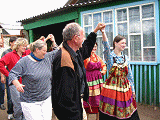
x,y
15,95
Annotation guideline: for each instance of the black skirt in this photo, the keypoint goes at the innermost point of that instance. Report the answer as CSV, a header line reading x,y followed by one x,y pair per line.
x,y
103,116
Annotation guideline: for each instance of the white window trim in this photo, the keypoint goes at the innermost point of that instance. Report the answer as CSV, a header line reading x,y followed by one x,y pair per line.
x,y
115,29
129,34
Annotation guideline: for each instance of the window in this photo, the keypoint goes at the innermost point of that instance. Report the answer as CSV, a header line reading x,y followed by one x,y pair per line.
x,y
135,23
91,21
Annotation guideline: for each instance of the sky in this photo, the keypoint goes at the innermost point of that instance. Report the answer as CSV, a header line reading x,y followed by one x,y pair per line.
x,y
16,10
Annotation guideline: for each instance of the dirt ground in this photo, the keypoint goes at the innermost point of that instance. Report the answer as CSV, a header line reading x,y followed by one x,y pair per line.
x,y
146,112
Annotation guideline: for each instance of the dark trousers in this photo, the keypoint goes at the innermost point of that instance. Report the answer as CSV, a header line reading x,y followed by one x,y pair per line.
x,y
2,93
9,100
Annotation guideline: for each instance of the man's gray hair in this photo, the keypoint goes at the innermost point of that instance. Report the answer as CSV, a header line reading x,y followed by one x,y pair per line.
x,y
70,30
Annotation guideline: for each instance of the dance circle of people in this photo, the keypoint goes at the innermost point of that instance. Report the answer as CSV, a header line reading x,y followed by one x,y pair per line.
x,y
69,79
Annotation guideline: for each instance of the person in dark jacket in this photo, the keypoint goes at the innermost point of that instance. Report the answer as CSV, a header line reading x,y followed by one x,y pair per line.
x,y
69,83
4,80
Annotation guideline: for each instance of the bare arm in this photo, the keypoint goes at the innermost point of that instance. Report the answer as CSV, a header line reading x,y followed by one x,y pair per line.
x,y
18,85
104,36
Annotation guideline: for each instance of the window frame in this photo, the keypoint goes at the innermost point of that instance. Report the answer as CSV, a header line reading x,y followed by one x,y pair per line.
x,y
141,30
92,25
115,28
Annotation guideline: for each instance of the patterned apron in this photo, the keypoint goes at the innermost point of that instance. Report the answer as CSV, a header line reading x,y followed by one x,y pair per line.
x,y
116,98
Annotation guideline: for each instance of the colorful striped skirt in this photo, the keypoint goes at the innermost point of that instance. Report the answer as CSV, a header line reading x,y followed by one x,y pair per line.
x,y
95,84
116,98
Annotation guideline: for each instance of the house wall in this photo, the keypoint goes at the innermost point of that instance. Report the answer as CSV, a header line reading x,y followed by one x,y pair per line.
x,y
146,74
52,20
61,18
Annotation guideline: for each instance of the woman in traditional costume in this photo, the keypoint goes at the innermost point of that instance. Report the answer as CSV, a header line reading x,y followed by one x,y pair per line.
x,y
117,99
93,65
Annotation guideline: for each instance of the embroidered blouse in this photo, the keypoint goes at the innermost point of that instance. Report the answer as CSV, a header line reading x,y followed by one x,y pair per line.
x,y
108,55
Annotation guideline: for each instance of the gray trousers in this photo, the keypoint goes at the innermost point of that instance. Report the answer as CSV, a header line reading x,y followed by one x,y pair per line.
x,y
15,96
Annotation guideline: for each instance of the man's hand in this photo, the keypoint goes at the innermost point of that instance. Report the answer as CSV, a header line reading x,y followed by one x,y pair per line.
x,y
99,27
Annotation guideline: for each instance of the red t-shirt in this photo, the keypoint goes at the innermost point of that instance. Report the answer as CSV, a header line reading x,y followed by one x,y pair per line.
x,y
10,60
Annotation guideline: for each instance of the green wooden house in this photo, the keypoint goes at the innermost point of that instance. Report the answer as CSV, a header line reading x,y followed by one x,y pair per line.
x,y
137,20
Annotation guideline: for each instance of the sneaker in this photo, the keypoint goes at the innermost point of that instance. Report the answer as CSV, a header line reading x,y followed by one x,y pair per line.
x,y
10,116
2,107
